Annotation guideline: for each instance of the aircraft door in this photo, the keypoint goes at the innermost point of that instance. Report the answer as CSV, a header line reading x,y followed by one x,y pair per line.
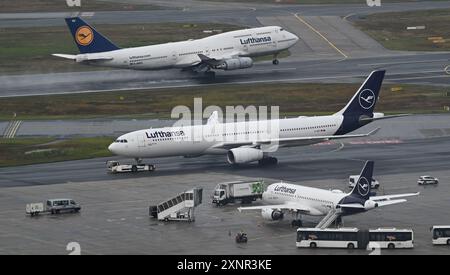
x,y
141,140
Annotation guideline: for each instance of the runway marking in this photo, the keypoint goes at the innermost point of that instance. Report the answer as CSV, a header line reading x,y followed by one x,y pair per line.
x,y
217,84
447,70
402,63
321,35
420,77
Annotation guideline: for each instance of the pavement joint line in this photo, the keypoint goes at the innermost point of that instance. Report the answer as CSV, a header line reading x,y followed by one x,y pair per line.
x,y
321,35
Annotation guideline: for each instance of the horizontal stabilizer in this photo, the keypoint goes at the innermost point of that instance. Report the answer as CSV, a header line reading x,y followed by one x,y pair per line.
x,y
66,56
370,119
391,197
390,202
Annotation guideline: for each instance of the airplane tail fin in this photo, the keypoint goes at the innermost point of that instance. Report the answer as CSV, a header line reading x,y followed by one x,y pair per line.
x,y
364,101
87,38
362,188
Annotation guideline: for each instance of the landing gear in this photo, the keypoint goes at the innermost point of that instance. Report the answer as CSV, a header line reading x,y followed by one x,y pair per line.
x,y
297,223
275,60
268,161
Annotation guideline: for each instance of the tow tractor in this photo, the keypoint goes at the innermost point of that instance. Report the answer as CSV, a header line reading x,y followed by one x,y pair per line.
x,y
115,167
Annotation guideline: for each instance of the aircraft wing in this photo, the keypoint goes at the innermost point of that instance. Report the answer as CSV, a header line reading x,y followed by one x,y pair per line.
x,y
392,197
294,207
297,141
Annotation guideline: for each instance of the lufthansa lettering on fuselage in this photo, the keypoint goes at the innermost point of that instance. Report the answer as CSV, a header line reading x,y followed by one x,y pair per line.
x,y
284,189
253,40
162,134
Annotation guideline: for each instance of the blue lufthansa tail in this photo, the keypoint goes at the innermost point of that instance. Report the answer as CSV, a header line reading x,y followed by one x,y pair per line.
x,y
364,101
360,109
362,189
87,38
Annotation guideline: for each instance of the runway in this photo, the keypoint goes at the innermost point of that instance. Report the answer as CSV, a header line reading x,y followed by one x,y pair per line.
x,y
426,69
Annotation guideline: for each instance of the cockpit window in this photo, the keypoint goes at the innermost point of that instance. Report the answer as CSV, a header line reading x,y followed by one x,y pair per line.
x,y
121,141
281,29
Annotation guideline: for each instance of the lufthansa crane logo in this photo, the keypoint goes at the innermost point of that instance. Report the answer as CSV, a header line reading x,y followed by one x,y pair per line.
x,y
367,99
84,36
363,187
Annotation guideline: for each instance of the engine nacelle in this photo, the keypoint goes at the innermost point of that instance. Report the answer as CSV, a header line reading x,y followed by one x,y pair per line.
x,y
236,64
369,205
244,155
271,214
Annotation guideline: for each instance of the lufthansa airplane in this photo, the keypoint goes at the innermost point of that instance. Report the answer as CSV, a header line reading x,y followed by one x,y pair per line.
x,y
301,200
247,141
227,51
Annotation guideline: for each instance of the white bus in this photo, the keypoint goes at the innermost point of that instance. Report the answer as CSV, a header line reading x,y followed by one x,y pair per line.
x,y
328,238
441,234
391,238
352,238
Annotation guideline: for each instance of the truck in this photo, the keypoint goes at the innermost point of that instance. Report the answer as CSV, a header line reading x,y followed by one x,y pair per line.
x,y
53,206
116,167
243,191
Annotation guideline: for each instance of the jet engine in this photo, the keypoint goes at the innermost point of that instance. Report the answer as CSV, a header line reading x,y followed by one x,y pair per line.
x,y
369,205
271,214
244,155
235,64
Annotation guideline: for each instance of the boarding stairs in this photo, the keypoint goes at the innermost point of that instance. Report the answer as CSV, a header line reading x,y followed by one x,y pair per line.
x,y
331,217
180,207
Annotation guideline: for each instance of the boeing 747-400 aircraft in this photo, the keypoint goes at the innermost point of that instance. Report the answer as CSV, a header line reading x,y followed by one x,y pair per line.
x,y
226,51
248,141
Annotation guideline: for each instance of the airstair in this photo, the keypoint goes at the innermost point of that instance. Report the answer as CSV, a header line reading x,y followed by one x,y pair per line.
x,y
178,208
331,217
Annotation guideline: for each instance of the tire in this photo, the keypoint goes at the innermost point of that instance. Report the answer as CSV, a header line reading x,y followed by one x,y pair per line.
x,y
391,246
351,246
52,212
276,62
134,169
448,242
313,245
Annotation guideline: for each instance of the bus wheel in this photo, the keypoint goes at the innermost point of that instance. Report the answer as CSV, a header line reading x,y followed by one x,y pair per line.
x,y
134,169
313,245
391,246
448,242
351,246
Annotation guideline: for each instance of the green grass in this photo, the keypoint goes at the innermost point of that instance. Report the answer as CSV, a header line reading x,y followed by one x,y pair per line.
x,y
61,6
28,50
293,99
23,151
390,29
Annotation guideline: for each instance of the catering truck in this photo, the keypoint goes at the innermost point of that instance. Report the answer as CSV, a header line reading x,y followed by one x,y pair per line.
x,y
243,191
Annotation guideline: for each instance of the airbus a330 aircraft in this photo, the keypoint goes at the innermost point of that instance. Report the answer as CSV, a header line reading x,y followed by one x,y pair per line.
x,y
227,51
237,140
301,200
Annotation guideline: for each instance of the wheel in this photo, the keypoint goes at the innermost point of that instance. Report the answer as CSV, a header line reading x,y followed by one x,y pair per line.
x,y
52,212
134,169
313,245
391,246
448,242
275,62
351,246
151,168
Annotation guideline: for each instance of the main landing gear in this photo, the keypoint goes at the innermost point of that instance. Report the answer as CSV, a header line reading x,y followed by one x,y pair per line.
x,y
275,60
268,161
297,223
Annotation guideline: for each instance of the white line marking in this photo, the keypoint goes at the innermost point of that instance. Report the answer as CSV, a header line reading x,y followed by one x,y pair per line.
x,y
402,63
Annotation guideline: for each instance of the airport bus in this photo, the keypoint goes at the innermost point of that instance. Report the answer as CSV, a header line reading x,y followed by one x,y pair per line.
x,y
352,238
328,238
441,234
391,238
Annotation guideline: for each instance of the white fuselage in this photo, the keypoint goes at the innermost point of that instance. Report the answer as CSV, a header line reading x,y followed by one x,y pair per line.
x,y
241,43
207,139
319,201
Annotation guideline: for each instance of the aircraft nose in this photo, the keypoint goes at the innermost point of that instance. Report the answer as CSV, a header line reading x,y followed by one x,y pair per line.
x,y
296,38
111,148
